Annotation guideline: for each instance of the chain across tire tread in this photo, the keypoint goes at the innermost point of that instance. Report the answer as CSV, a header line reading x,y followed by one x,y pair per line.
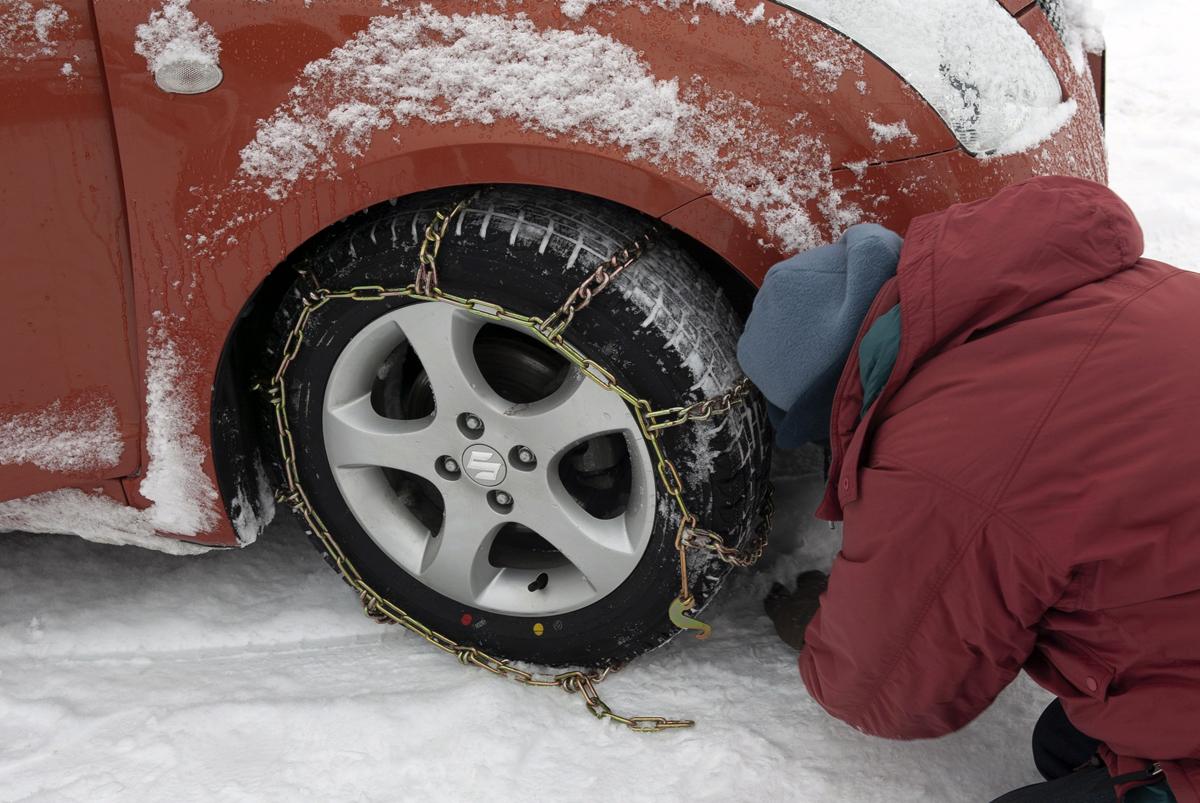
x,y
586,232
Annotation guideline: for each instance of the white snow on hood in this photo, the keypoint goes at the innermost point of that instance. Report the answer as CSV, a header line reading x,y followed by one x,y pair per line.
x,y
30,30
449,70
969,59
78,439
183,498
173,34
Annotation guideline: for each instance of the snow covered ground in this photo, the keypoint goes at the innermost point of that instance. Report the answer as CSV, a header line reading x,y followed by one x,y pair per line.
x,y
248,676
1154,121
132,675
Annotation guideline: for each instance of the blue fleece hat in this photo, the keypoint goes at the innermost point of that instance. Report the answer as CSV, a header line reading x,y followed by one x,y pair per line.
x,y
804,323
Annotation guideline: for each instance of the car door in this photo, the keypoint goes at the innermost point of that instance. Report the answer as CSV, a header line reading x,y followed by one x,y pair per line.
x,y
69,399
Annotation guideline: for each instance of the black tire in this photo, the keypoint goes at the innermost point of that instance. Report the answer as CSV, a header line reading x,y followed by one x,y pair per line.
x,y
664,329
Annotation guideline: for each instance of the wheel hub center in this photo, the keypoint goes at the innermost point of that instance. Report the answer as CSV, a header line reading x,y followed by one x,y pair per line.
x,y
484,465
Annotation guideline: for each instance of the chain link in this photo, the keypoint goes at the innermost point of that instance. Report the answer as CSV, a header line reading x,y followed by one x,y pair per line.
x,y
701,410
550,331
556,323
744,557
427,277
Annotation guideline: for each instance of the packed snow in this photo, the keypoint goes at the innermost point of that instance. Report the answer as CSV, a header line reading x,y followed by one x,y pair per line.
x,y
251,675
185,501
174,34
80,437
91,516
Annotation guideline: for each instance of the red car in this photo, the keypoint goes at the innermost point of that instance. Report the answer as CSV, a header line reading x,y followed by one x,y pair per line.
x,y
289,248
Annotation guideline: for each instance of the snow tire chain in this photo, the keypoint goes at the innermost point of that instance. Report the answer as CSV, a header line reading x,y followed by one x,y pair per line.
x,y
550,331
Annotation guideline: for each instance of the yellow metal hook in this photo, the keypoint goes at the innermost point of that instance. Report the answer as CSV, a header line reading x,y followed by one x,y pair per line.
x,y
681,620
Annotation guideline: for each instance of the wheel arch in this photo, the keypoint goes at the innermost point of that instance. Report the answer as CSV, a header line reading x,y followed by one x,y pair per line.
x,y
241,427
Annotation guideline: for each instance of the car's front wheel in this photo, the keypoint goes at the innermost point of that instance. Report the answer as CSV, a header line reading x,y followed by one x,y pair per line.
x,y
479,480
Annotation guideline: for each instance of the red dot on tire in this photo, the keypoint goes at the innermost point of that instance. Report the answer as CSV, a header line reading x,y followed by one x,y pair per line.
x,y
466,619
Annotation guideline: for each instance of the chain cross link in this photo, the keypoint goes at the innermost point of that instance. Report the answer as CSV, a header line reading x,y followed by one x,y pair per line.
x,y
426,282
702,410
557,322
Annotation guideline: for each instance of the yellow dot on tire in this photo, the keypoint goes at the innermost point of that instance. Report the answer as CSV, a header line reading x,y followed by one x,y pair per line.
x,y
538,629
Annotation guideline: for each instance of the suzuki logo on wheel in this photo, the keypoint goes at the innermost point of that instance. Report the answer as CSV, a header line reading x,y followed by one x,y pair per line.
x,y
484,465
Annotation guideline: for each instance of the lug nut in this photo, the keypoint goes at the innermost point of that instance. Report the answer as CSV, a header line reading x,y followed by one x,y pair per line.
x,y
522,457
470,425
501,502
450,465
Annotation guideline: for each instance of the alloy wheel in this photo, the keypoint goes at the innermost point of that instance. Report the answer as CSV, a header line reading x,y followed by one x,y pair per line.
x,y
485,465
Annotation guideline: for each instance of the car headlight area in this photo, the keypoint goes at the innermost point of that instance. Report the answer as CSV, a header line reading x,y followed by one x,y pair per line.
x,y
970,59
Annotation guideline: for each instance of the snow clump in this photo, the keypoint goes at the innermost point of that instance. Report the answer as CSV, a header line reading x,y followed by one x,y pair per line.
x,y
81,438
1081,26
183,496
250,520
28,30
449,70
890,132
174,34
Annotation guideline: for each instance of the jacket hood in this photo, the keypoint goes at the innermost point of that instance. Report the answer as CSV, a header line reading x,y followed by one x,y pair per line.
x,y
977,265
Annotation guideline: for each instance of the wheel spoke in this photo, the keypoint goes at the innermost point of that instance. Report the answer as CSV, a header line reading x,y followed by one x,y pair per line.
x,y
444,340
388,520
579,410
358,365
599,548
356,435
456,562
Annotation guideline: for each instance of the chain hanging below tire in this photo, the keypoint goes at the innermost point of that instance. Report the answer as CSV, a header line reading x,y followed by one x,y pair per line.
x,y
550,331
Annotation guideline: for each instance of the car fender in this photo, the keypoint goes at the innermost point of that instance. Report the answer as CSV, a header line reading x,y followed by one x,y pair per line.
x,y
205,230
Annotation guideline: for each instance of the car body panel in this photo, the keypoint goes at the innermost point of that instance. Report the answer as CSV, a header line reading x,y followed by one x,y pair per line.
x,y
64,294
1016,6
203,235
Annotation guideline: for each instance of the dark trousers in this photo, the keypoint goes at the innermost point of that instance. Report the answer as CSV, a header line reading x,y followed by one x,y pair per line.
x,y
1059,748
1066,758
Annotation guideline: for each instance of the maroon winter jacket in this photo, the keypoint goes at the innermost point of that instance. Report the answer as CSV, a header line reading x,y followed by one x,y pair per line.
x,y
1025,493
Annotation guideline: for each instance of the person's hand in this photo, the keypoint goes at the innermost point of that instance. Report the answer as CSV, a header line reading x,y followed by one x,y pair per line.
x,y
791,611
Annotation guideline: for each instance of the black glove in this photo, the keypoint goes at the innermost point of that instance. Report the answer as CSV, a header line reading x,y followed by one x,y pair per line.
x,y
791,612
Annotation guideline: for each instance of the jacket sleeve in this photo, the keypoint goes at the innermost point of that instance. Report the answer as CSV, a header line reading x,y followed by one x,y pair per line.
x,y
931,608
